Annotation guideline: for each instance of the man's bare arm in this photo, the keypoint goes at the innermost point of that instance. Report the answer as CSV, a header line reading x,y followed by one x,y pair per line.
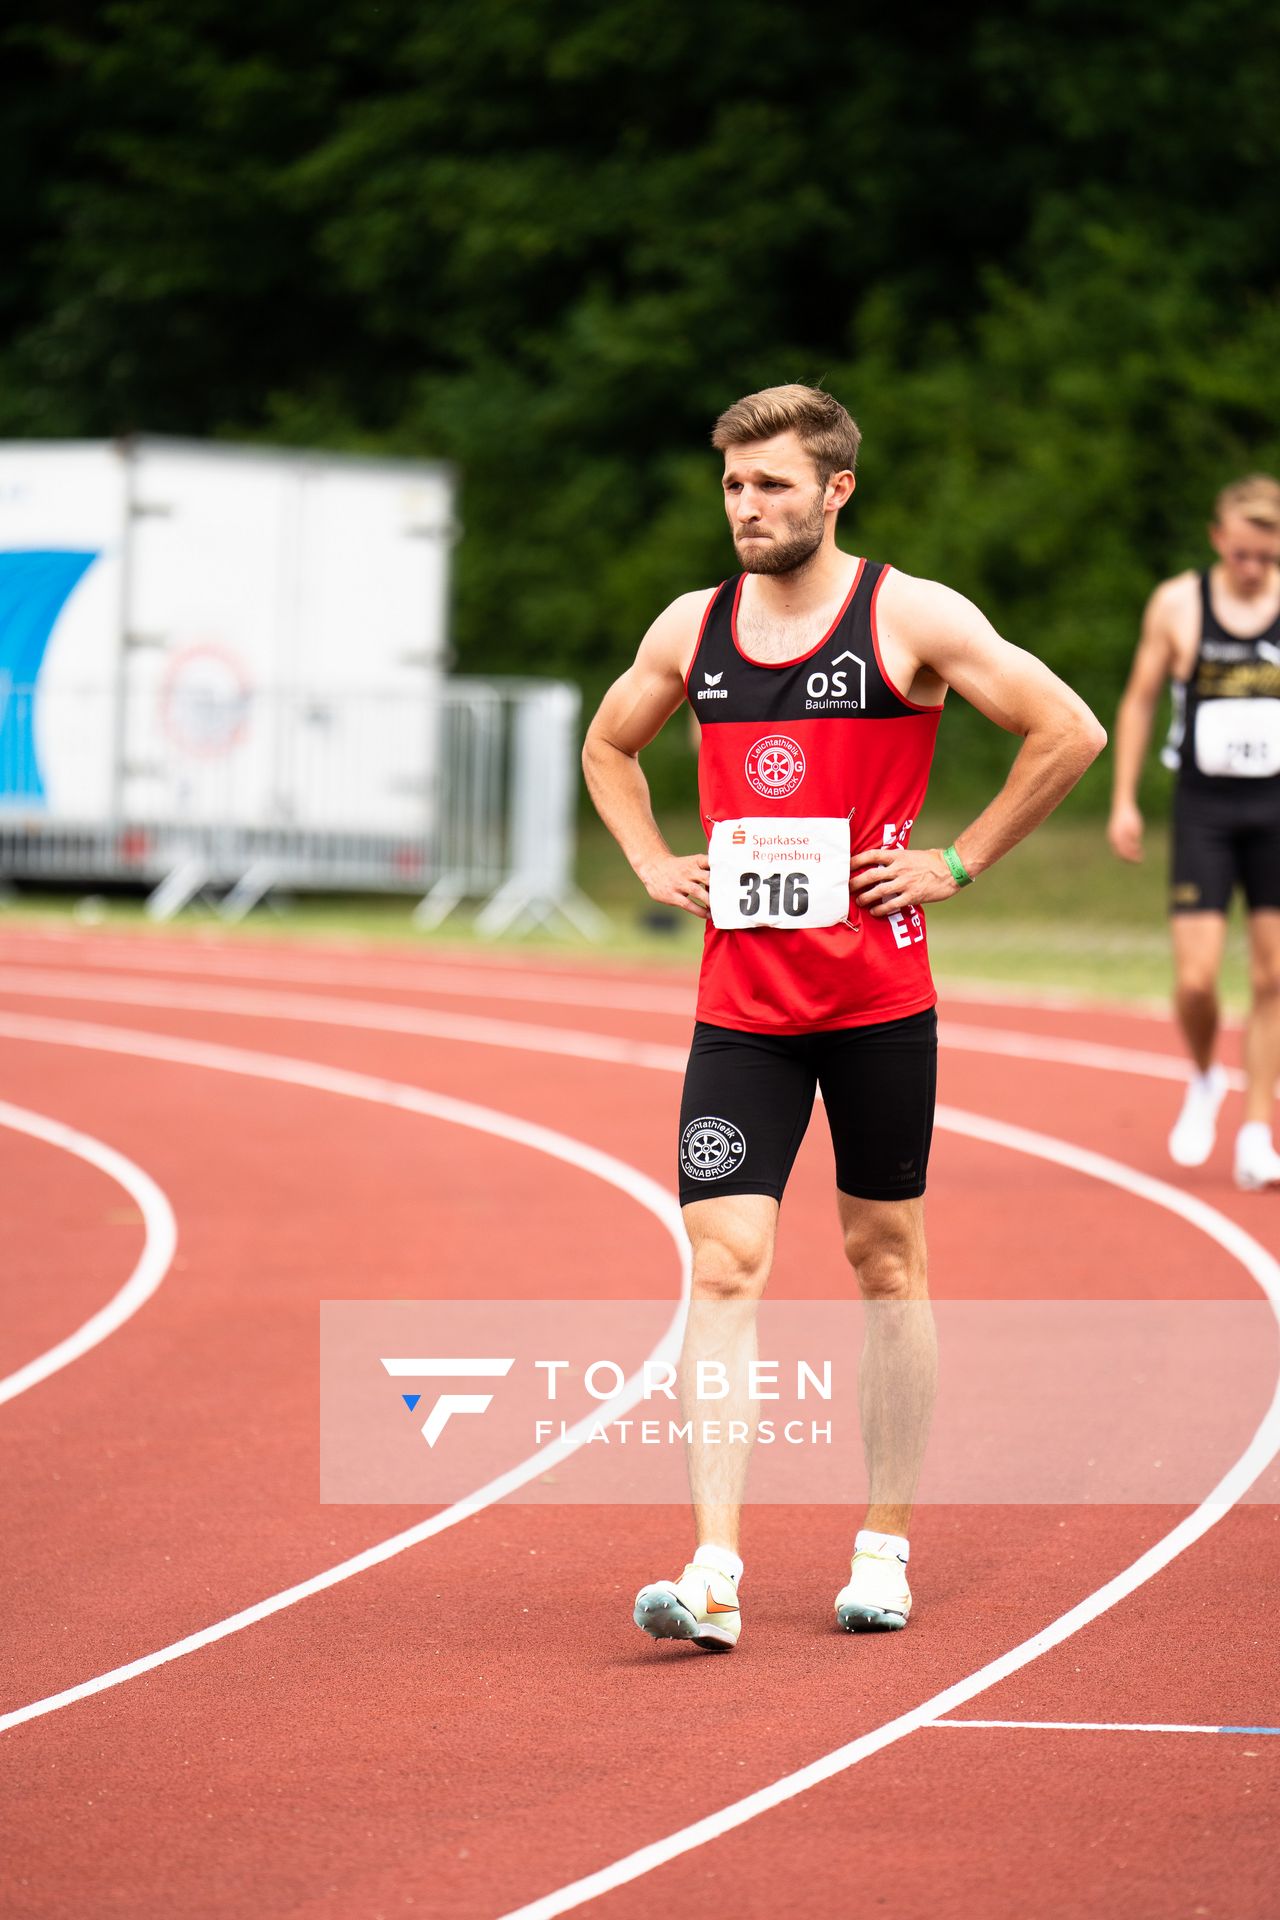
x,y
632,713
931,626
1152,664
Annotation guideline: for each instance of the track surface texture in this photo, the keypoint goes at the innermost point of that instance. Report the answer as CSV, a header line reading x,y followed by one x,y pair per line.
x,y
451,1713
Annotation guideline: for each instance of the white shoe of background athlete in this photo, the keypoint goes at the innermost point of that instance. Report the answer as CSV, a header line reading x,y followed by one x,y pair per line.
x,y
1196,1128
1257,1162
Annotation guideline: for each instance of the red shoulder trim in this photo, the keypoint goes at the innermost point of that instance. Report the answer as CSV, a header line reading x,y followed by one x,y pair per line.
x,y
875,641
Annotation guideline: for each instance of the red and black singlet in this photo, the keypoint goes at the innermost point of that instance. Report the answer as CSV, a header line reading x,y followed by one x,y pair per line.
x,y
825,734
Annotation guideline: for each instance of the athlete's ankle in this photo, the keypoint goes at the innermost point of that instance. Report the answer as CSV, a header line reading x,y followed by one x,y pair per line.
x,y
723,1559
869,1540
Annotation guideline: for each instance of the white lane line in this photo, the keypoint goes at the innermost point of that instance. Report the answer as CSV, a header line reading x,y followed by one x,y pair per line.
x,y
1071,1053
477,1030
1088,1726
498,980
486,981
998,993
325,1011
160,1238
1261,1449
1257,1456
434,1106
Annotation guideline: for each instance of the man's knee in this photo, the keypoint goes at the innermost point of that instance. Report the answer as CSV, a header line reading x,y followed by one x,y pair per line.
x,y
888,1257
889,1273
1264,980
1198,986
731,1264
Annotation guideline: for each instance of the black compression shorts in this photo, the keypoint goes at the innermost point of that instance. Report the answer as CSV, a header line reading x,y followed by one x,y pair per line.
x,y
748,1097
1225,840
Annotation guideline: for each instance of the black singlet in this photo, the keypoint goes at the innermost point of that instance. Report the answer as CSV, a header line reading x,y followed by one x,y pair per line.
x,y
1227,668
1226,823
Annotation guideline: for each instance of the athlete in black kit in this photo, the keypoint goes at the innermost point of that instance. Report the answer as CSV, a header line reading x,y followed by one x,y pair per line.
x,y
1216,636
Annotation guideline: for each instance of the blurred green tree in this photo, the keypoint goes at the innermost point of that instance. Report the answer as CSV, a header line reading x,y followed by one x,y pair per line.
x,y
1034,248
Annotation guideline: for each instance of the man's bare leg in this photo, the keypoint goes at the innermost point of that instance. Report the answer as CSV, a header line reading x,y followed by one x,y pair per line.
x,y
897,1380
1262,1032
733,1240
898,1376
1257,1163
1199,940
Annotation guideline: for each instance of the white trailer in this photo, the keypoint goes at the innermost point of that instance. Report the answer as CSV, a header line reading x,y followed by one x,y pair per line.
x,y
226,666
177,584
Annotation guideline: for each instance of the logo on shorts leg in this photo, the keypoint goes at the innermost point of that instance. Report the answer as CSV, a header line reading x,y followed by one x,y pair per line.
x,y
776,765
711,1148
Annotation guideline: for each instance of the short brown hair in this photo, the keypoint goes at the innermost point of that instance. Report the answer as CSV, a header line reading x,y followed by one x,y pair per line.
x,y
827,433
1256,497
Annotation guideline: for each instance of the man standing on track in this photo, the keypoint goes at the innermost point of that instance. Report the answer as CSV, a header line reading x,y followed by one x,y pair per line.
x,y
1216,635
819,681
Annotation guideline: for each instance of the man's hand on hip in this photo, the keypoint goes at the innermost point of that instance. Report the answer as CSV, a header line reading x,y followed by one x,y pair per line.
x,y
888,879
679,880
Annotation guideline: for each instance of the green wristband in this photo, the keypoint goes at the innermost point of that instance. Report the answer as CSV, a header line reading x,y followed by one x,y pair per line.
x,y
955,866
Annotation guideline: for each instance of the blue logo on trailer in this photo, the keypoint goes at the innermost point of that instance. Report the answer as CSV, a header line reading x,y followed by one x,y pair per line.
x,y
34,588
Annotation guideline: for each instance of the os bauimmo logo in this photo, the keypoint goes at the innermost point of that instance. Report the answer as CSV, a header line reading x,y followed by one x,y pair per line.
x,y
775,766
840,687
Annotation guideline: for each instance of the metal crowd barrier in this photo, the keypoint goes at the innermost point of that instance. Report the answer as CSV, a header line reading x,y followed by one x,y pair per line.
x,y
467,793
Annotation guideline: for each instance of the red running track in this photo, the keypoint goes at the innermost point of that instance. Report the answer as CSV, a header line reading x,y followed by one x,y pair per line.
x,y
474,1723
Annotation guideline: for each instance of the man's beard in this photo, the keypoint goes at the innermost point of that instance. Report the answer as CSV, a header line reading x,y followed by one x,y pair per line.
x,y
786,553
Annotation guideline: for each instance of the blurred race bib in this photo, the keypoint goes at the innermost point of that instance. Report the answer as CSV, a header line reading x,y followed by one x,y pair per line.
x,y
779,873
1239,738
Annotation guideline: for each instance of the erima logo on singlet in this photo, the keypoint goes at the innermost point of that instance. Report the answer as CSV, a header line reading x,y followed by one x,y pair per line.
x,y
712,690
833,689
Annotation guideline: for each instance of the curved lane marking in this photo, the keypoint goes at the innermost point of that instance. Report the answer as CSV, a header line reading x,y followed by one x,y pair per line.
x,y
570,980
493,979
1096,1056
362,1086
1260,1451
1257,1456
478,1030
1265,1444
160,1238
328,1011
488,981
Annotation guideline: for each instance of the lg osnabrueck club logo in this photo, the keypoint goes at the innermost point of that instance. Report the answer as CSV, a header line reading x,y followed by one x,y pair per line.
x,y
711,1147
775,766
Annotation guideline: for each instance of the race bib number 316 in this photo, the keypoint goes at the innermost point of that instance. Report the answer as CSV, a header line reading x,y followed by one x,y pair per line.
x,y
779,873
